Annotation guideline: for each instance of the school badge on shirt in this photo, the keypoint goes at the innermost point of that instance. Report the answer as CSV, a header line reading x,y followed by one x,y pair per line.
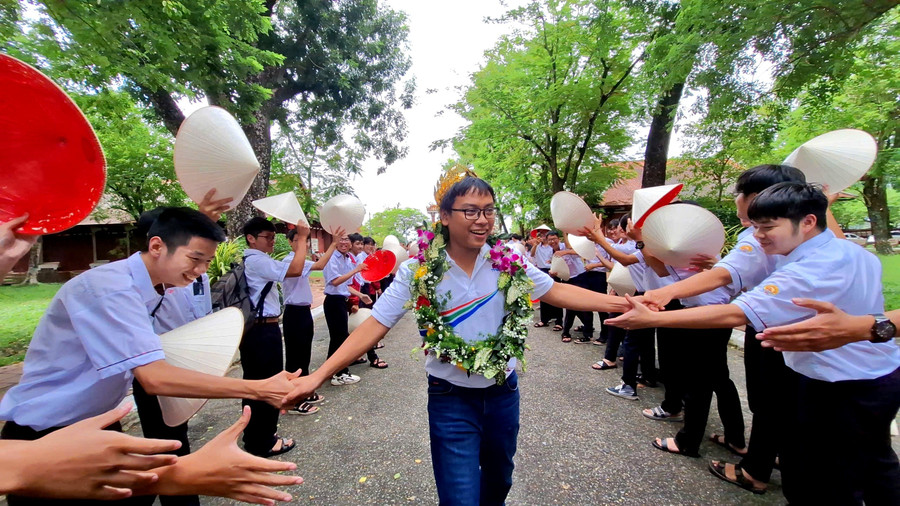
x,y
746,248
771,289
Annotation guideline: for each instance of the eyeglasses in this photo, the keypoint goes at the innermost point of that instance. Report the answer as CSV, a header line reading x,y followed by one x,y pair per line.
x,y
266,237
474,214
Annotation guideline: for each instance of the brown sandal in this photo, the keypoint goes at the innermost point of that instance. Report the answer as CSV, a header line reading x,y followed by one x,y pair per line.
x,y
719,470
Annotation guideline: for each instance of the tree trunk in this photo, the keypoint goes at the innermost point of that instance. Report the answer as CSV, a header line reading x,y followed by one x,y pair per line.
x,y
657,151
34,263
260,137
875,196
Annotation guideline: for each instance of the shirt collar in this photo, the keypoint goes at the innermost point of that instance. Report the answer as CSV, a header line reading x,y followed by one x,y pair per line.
x,y
141,278
479,261
250,252
810,245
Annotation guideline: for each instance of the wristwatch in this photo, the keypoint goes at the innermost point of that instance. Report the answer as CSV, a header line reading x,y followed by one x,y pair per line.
x,y
639,245
883,330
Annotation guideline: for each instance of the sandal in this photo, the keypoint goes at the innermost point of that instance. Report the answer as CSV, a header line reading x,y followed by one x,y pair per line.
x,y
378,364
557,328
579,328
663,444
361,360
315,398
720,470
720,440
303,409
539,325
285,447
566,339
379,346
602,366
658,413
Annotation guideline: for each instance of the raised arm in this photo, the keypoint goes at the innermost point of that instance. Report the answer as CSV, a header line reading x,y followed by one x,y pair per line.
x,y
295,269
714,316
323,261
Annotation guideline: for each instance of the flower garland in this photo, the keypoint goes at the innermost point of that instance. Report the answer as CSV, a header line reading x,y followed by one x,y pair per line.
x,y
490,356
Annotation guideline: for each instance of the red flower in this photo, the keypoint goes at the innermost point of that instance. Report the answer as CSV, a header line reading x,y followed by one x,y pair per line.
x,y
423,301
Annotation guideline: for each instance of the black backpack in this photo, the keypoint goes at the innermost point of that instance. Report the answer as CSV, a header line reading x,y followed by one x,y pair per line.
x,y
232,290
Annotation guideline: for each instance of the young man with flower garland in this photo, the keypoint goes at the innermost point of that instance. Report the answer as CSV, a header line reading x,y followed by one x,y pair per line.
x,y
472,304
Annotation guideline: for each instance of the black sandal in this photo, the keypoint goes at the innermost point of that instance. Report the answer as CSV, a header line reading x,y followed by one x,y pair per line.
x,y
378,364
303,409
539,325
566,339
663,444
557,328
359,361
720,440
718,469
285,447
315,398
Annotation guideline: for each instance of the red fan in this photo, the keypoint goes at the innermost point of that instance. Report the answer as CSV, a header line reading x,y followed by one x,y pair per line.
x,y
52,164
380,263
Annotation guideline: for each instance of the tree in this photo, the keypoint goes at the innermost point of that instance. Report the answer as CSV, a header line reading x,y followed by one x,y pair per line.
x,y
399,221
337,65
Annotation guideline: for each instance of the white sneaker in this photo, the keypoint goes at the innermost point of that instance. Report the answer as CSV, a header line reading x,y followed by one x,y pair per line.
x,y
344,379
624,391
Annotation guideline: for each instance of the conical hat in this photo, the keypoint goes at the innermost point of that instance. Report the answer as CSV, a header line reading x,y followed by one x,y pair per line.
x,y
342,211
211,151
836,159
678,232
519,248
399,252
390,239
413,248
51,163
207,345
356,319
380,263
537,229
620,280
561,268
570,213
283,206
647,200
583,246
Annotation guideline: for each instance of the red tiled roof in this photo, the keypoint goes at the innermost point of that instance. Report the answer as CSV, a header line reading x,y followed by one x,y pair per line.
x,y
620,194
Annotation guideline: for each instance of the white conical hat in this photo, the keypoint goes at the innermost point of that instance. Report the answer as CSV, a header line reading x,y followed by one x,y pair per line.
x,y
207,345
390,240
620,280
583,246
399,252
283,206
211,151
519,248
570,213
836,159
561,268
342,211
413,248
678,232
356,319
535,230
647,200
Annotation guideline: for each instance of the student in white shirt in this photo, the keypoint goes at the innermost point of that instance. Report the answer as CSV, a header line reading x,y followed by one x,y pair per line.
x,y
577,277
339,273
843,456
299,328
542,252
473,420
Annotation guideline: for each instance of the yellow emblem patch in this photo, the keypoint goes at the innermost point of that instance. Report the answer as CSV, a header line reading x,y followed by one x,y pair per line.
x,y
771,289
746,248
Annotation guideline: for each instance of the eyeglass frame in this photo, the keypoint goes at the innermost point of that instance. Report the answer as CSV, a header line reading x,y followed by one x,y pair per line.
x,y
478,213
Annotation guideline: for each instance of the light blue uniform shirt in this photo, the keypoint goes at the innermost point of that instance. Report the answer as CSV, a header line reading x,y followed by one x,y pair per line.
x,y
95,331
182,305
337,266
747,263
479,309
636,269
297,291
833,270
260,269
721,295
575,264
542,256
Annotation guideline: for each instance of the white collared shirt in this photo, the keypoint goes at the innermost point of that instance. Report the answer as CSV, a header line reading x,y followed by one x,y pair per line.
x,y
478,308
747,263
831,270
542,255
260,269
601,253
337,266
297,291
576,265
182,305
721,295
95,331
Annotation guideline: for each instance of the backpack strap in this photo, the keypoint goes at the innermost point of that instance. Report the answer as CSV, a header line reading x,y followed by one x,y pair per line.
x,y
258,307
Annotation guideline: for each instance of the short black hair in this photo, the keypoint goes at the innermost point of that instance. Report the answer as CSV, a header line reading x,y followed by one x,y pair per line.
x,y
515,236
793,201
257,225
355,237
466,186
553,232
757,179
623,223
368,241
176,226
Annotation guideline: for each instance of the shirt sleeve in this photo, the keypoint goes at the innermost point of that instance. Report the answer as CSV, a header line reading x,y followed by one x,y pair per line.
x,y
331,270
267,268
542,281
747,263
769,303
307,267
115,330
389,308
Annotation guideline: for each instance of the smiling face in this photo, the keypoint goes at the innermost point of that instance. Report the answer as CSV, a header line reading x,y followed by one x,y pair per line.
x,y
465,233
264,241
369,249
356,247
183,265
553,241
742,202
780,236
343,245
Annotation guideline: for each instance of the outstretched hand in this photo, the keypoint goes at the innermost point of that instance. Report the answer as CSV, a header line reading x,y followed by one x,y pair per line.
x,y
83,461
273,390
830,328
303,389
638,317
213,209
221,469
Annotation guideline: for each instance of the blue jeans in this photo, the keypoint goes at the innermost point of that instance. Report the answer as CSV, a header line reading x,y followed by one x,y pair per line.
x,y
473,440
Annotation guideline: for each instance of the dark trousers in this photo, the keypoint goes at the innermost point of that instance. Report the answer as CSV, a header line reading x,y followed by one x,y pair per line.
x,y
261,358
596,282
837,444
335,307
614,338
639,351
586,317
766,377
708,373
550,312
673,362
153,427
299,330
12,430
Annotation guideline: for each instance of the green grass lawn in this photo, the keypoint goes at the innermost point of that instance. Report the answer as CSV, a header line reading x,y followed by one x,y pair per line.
x,y
20,310
891,279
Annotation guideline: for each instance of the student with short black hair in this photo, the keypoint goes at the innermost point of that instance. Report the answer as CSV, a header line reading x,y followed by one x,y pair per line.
x,y
846,456
339,273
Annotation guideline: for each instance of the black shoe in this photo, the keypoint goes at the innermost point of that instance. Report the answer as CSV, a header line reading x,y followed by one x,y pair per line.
x,y
582,340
